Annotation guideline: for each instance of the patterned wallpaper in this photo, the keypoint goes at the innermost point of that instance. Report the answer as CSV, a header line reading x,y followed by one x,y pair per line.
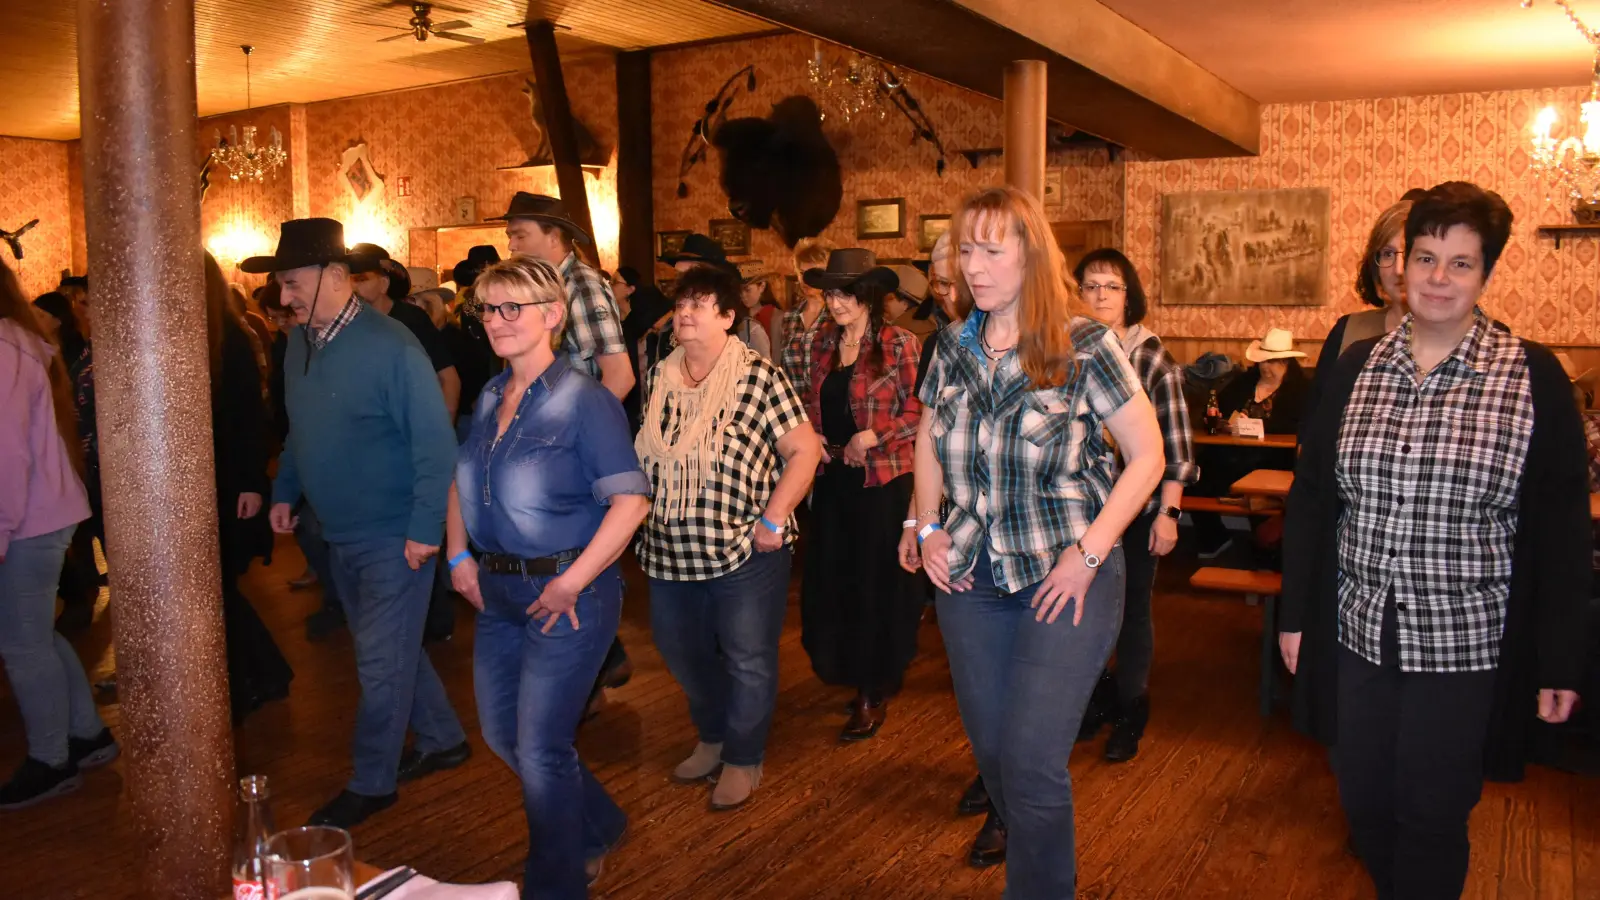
x,y
877,156
33,185
449,141
1368,153
240,218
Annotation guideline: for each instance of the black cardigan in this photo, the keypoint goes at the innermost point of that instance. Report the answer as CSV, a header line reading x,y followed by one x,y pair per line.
x,y
1542,645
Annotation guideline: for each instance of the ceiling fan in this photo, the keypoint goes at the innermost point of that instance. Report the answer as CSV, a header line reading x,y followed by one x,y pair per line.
x,y
422,25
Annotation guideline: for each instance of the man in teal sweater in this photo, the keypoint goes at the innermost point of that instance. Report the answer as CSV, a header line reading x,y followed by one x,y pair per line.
x,y
370,446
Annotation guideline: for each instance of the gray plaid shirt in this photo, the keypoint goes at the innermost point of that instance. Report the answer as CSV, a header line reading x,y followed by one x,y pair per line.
x,y
1429,474
1162,379
593,327
1025,470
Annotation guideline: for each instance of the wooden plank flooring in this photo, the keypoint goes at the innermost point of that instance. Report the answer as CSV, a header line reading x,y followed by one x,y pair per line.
x,y
1220,803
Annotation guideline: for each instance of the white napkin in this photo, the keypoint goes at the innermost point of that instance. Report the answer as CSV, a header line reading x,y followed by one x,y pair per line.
x,y
421,887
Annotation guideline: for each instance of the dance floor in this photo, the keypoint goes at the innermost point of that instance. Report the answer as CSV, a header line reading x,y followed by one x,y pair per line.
x,y
1219,803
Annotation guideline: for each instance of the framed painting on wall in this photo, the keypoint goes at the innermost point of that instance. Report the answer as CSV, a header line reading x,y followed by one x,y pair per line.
x,y
669,242
1052,187
929,228
359,177
881,218
732,234
1245,248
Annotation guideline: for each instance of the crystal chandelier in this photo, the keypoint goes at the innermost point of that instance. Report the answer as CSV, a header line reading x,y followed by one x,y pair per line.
x,y
246,161
1572,163
852,88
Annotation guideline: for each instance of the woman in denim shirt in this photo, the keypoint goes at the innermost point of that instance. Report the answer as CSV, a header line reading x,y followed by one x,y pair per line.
x,y
549,491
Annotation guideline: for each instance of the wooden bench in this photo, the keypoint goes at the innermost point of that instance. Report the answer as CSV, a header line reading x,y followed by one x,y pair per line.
x,y
1255,586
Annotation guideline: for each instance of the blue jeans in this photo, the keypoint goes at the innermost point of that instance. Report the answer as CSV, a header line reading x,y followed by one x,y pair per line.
x,y
308,534
386,603
531,689
1022,687
46,674
720,641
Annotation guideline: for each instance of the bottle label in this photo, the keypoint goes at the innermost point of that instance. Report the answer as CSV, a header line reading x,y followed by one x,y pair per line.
x,y
244,889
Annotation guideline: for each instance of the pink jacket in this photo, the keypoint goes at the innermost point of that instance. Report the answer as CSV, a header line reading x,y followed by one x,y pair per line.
x,y
39,491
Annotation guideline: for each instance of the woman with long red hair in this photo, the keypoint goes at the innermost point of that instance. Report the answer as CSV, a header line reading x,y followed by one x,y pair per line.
x,y
42,500
1028,562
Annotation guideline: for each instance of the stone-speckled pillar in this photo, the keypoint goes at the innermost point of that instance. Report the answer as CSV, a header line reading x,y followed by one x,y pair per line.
x,y
142,213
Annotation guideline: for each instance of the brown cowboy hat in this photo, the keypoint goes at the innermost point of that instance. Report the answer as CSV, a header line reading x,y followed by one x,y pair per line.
x,y
543,208
848,266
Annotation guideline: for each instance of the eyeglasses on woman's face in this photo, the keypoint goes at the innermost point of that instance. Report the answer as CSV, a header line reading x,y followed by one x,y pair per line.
x,y
941,286
1109,289
1386,258
508,311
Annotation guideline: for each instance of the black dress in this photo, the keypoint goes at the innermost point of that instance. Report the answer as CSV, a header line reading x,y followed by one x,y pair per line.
x,y
257,671
859,610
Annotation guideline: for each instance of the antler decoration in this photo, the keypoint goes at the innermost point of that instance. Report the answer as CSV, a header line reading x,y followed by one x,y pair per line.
x,y
13,238
694,152
922,126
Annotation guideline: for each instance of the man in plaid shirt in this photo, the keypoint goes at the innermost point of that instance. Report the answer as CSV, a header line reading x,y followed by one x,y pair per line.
x,y
538,226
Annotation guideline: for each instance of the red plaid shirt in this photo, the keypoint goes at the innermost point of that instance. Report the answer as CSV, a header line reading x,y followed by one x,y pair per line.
x,y
884,402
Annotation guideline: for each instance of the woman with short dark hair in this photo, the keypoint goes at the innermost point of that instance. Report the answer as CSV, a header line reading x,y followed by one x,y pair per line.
x,y
1110,287
859,610
1436,555
729,452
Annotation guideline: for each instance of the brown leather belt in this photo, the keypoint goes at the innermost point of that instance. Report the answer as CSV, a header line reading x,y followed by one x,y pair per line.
x,y
502,564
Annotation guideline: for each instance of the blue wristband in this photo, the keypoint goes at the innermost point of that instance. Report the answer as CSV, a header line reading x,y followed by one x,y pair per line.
x,y
775,529
460,558
927,530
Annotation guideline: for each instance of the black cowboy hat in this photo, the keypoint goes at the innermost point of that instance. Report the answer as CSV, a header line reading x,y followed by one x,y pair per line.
x,y
848,266
701,249
543,208
478,258
302,243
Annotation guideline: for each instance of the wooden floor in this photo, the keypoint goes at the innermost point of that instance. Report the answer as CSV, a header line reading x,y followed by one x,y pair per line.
x,y
1219,803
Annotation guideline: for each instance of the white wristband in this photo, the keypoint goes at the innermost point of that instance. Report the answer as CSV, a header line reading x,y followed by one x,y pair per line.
x,y
909,523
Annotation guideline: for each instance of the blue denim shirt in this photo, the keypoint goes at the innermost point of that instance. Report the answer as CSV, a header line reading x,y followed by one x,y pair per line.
x,y
544,486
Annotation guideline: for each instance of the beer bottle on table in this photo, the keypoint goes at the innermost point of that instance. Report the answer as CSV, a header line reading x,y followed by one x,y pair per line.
x,y
250,851
1213,413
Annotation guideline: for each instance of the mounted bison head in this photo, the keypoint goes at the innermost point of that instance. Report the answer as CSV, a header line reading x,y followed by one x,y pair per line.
x,y
780,172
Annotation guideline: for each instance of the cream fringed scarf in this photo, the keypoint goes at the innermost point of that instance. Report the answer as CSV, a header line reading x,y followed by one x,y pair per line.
x,y
676,451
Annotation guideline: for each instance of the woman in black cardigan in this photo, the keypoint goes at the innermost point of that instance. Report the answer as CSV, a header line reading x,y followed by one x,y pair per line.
x,y
1436,559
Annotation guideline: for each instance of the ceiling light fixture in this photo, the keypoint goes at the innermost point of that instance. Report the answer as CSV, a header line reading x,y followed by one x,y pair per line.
x,y
1572,163
246,161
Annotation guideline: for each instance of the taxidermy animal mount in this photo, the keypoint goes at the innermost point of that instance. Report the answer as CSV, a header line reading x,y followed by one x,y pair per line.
x,y
13,239
590,153
780,172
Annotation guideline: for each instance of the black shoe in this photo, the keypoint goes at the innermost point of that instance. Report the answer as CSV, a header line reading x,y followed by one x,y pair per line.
x,y
1101,709
324,622
1126,731
88,753
618,668
989,847
350,809
414,765
35,782
975,800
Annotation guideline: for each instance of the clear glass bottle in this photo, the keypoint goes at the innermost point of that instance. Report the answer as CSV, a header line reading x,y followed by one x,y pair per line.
x,y
250,850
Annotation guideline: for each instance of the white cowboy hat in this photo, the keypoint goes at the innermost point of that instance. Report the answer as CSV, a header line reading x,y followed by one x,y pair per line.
x,y
1278,344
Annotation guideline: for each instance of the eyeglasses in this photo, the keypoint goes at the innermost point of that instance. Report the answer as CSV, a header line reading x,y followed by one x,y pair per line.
x,y
941,285
1386,257
508,311
1110,290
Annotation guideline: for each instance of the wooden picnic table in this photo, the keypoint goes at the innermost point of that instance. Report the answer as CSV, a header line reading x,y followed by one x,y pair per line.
x,y
1275,441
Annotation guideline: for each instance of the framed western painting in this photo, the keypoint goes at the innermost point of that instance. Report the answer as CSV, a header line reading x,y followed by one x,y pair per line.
x,y
881,218
732,234
1245,248
669,242
929,228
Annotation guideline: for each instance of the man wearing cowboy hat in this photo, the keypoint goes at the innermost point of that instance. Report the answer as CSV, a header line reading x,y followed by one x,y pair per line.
x,y
383,284
357,381
699,250
539,226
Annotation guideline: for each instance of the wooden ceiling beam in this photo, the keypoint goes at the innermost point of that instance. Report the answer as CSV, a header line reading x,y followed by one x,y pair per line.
x,y
1107,76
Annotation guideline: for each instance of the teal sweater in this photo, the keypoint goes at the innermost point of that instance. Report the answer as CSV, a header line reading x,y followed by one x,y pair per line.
x,y
369,440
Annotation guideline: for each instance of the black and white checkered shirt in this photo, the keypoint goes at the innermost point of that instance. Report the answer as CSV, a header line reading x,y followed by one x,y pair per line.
x,y
1429,474
716,532
1162,380
593,327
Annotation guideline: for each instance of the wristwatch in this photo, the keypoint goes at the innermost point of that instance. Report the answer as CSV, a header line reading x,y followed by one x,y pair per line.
x,y
1172,512
1089,559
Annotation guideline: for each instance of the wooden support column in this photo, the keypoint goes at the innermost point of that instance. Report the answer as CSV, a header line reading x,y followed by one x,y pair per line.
x,y
552,90
1025,125
136,79
635,200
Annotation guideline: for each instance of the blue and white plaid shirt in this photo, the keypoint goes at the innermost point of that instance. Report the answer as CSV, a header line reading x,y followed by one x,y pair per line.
x,y
593,327
1025,470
